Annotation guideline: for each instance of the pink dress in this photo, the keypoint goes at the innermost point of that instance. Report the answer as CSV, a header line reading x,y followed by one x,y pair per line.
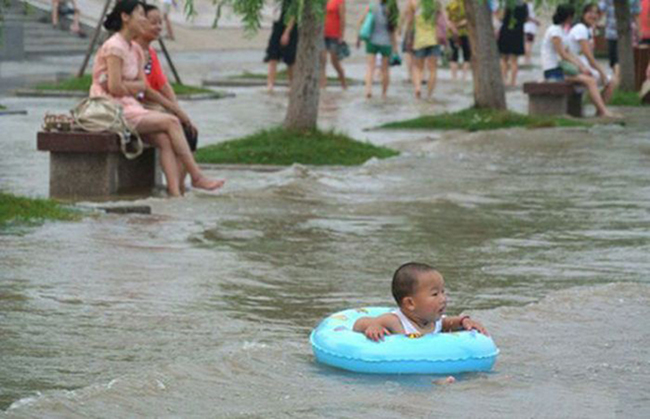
x,y
132,61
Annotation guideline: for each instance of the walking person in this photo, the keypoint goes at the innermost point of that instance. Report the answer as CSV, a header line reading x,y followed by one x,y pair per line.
x,y
118,73
458,38
530,31
167,9
611,32
283,44
383,41
424,15
511,40
334,41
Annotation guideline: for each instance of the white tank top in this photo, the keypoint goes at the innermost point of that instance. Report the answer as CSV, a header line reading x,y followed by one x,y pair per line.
x,y
409,329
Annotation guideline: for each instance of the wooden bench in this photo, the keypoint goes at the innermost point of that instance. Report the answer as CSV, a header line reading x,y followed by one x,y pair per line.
x,y
554,98
91,165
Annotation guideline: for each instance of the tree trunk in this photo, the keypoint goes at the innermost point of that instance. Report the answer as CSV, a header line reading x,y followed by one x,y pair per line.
x,y
625,52
302,113
488,84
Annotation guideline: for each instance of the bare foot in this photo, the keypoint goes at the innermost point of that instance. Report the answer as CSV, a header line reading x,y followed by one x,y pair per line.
x,y
368,95
418,94
444,381
208,184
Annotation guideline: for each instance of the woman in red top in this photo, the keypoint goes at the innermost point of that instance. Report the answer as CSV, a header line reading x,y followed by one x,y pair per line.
x,y
644,21
159,94
334,36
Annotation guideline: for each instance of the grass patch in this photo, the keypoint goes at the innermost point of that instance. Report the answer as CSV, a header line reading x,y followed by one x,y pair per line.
x,y
29,210
281,147
622,98
2,108
280,75
473,119
82,84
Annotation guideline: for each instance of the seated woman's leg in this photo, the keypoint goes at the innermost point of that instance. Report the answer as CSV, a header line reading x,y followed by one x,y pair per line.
x,y
168,161
592,88
158,122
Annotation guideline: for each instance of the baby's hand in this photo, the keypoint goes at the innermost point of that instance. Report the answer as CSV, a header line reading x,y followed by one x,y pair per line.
x,y
469,324
376,332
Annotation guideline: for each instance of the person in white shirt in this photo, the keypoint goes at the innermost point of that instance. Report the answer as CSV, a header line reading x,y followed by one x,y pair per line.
x,y
581,45
530,30
556,57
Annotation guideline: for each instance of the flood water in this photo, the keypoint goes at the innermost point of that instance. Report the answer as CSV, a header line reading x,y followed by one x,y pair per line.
x,y
204,308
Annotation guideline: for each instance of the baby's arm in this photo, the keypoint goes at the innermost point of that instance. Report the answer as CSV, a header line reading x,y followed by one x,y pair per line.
x,y
376,327
450,324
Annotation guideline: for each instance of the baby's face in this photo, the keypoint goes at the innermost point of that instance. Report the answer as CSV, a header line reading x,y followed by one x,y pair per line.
x,y
430,300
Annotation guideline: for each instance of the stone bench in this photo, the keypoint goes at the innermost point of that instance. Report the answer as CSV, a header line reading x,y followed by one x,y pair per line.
x,y
554,98
91,165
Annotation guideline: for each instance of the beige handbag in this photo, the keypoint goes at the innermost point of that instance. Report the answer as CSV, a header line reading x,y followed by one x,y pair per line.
x,y
99,114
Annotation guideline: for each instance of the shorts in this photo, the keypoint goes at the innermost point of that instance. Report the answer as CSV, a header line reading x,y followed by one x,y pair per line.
x,y
644,41
384,50
612,52
331,44
432,51
530,37
554,74
464,44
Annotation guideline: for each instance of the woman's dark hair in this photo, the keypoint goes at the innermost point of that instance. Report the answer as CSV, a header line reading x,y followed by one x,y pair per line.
x,y
562,13
113,21
149,7
392,13
587,7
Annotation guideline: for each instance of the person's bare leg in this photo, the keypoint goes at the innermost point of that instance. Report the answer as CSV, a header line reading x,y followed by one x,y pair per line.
x,y
336,63
370,71
408,58
432,64
594,94
290,74
608,91
157,122
55,13
529,49
454,70
168,161
385,76
181,176
323,69
465,70
504,68
168,24
418,69
514,69
270,76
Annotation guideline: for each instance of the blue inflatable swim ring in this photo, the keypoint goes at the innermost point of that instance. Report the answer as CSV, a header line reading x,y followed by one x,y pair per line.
x,y
336,344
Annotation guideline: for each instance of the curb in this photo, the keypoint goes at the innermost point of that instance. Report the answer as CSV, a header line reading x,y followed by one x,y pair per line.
x,y
13,112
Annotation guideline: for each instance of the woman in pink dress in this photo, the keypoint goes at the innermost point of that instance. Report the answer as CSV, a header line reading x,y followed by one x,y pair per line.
x,y
118,73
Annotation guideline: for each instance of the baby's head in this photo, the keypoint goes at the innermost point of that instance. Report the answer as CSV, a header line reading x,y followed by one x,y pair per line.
x,y
419,289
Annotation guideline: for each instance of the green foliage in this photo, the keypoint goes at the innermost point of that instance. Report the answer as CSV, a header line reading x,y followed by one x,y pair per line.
x,y
2,107
82,84
622,98
251,10
473,119
26,210
283,147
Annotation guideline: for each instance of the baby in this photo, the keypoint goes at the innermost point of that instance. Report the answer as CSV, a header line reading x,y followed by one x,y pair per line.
x,y
419,291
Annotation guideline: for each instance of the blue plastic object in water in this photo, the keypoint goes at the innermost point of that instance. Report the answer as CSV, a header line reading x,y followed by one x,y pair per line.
x,y
336,344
